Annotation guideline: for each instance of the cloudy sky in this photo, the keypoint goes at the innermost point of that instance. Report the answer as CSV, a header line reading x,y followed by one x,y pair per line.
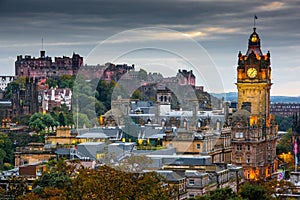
x,y
162,36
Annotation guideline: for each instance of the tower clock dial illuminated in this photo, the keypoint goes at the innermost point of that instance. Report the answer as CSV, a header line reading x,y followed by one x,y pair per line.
x,y
252,72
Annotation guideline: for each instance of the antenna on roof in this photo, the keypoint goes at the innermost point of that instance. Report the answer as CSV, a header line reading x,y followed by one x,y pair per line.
x,y
42,43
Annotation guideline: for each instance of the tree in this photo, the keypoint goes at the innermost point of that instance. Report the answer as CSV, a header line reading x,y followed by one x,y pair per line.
x,y
6,150
253,192
284,123
68,115
66,81
22,139
17,186
82,120
142,75
39,122
274,187
137,95
108,183
102,183
61,119
285,143
18,83
220,194
52,83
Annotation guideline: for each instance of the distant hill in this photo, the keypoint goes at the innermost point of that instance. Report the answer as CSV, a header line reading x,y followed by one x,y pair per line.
x,y
232,96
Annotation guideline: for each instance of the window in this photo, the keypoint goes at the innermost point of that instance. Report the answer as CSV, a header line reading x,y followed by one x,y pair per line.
x,y
248,158
238,159
239,135
198,146
191,181
191,196
170,145
239,147
249,148
184,124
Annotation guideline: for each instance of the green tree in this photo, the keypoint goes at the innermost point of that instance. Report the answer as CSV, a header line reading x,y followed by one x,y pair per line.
x,y
220,194
68,115
61,119
17,186
39,122
108,183
82,120
18,83
22,139
285,143
142,75
6,150
284,123
58,179
66,81
2,156
137,95
52,83
103,183
253,192
84,99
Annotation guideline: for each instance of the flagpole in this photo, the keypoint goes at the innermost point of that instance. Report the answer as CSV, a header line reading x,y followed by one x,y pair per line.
x,y
254,18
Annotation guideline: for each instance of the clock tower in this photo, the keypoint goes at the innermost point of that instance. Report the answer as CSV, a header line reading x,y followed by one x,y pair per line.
x,y
254,79
254,131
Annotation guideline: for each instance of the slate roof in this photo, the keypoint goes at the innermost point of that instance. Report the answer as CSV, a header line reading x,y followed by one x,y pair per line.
x,y
170,176
92,135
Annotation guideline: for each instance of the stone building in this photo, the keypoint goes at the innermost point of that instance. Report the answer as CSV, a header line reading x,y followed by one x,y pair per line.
x,y
55,97
31,154
4,81
284,109
254,130
44,67
185,77
25,99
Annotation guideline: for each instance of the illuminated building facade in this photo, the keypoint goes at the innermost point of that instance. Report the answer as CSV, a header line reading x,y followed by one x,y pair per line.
x,y
254,130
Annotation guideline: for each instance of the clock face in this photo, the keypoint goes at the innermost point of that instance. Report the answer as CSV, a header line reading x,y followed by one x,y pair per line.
x,y
252,72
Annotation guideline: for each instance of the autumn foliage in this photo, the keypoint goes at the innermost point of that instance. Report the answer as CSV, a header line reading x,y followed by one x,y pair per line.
x,y
102,183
